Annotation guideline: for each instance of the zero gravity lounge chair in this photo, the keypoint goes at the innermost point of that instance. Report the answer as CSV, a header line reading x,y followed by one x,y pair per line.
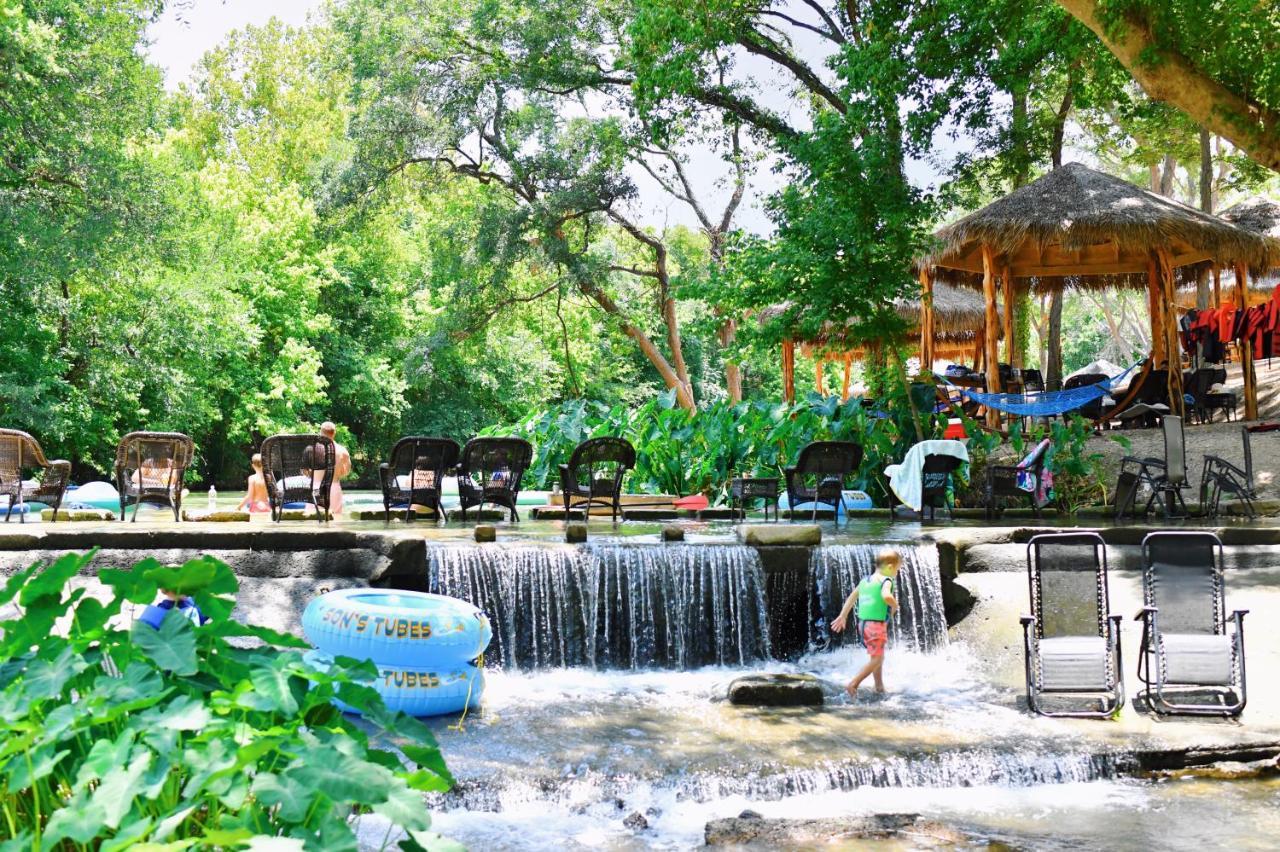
x,y
1071,641
1187,652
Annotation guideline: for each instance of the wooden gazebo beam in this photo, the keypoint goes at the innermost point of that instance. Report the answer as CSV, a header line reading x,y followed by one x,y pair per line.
x,y
1169,330
989,329
1246,347
1009,343
789,370
926,319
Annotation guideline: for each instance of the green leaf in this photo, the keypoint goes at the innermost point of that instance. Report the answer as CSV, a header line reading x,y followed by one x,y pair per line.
x,y
263,843
202,574
30,766
172,648
15,583
429,841
342,777
278,685
404,807
133,585
78,819
116,792
183,713
226,628
50,581
46,678
430,759
293,797
127,837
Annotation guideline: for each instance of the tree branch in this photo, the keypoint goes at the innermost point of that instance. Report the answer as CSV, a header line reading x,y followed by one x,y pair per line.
x,y
755,42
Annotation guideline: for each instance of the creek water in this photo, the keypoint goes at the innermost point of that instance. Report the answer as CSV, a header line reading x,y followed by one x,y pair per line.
x,y
606,700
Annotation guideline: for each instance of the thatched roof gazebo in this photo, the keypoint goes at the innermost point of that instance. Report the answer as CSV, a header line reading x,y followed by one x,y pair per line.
x,y
959,315
1079,227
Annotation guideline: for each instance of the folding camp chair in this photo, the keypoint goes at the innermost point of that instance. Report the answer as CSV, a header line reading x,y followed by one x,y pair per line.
x,y
1220,476
1165,477
1186,648
1070,640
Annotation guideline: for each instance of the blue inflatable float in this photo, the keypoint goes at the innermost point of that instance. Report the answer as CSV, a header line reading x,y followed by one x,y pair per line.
x,y
395,628
415,690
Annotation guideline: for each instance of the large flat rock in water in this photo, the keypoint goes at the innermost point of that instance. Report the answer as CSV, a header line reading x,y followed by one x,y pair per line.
x,y
754,831
776,690
766,535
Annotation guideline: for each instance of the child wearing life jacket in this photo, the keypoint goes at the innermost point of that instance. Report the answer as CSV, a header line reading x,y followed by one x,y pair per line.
x,y
876,602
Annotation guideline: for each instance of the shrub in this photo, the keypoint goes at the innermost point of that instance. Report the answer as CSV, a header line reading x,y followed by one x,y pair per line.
x,y
177,737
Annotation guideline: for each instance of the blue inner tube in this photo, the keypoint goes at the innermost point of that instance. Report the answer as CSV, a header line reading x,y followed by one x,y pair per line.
x,y
395,628
415,690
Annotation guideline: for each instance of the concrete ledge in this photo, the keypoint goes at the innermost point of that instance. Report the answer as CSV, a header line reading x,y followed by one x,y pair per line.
x,y
773,535
78,515
217,517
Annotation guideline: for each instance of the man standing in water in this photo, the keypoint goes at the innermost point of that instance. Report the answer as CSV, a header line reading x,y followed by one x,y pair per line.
x,y
875,600
341,466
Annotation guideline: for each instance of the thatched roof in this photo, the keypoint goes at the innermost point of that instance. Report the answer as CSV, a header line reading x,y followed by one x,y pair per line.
x,y
1258,215
1086,228
958,314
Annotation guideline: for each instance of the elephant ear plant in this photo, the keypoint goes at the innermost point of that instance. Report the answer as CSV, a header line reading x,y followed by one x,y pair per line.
x,y
178,738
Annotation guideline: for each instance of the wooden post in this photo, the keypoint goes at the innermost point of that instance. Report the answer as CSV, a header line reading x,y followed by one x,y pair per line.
x,y
992,324
978,343
1153,308
848,376
817,376
1246,347
789,370
1010,344
1173,346
1217,286
926,319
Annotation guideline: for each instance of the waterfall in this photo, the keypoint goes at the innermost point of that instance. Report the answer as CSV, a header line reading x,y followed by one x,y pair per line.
x,y
921,622
612,606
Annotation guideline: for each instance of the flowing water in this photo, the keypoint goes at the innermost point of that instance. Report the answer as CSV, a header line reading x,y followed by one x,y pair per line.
x,y
609,706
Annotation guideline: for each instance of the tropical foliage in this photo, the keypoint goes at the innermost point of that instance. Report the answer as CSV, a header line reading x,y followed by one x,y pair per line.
x,y
182,736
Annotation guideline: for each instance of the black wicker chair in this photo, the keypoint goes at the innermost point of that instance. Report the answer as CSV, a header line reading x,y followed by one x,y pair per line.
x,y
820,474
1002,481
490,472
415,474
1186,650
298,469
745,489
150,467
1071,641
935,479
1220,476
1165,477
602,463
20,453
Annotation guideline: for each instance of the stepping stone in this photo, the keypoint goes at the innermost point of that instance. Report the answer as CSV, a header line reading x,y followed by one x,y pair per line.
x,y
673,533
222,516
768,535
486,533
651,514
554,513
483,515
776,690
79,515
723,514
575,533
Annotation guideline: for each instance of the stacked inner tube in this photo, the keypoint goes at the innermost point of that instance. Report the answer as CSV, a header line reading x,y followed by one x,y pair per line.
x,y
426,647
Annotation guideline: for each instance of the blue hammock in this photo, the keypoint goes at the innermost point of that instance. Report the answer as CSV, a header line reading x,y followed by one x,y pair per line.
x,y
1045,404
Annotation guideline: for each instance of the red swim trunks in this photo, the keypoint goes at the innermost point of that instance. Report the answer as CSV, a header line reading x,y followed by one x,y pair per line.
x,y
874,634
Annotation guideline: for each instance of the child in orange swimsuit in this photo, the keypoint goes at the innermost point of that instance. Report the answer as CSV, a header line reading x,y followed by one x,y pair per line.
x,y
876,603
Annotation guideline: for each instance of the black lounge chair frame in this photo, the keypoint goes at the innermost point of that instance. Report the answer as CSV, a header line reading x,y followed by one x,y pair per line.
x,y
1002,482
1081,553
1204,402
830,463
1164,477
424,462
136,450
1153,652
284,458
612,457
935,477
18,452
490,472
1220,476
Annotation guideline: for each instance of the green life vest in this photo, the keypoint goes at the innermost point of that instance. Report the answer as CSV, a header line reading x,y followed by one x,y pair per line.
x,y
871,604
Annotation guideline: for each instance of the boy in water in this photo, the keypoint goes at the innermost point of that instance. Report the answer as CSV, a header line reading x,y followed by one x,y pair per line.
x,y
256,491
875,600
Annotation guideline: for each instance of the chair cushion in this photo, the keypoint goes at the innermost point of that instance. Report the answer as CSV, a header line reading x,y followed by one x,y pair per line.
x,y
1074,663
1197,658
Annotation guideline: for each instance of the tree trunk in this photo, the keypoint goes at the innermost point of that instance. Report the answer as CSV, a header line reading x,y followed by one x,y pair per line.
x,y
1173,78
732,372
1167,176
1053,369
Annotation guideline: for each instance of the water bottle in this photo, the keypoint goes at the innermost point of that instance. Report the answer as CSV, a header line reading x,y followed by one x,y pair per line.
x,y
213,499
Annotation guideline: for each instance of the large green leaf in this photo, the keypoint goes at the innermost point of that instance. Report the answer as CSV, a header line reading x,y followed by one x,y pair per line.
x,y
78,819
172,648
342,777
133,585
404,807
118,788
24,769
278,685
290,794
51,580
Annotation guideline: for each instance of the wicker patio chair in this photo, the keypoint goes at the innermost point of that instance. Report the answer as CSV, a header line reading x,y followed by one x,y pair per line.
x,y
490,472
935,480
602,463
745,489
1186,649
415,475
1071,641
150,467
298,469
1165,477
19,454
820,474
1002,480
1220,476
